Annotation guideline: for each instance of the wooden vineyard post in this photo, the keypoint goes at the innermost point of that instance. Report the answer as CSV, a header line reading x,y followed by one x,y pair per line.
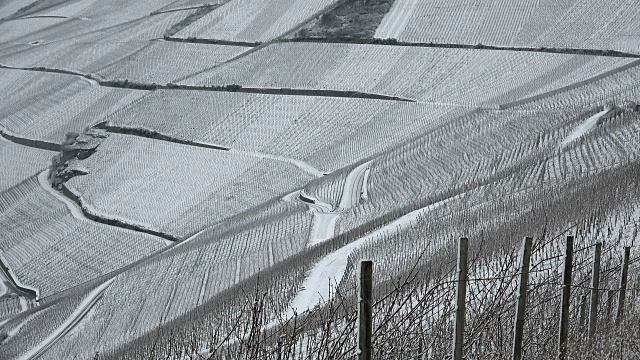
x,y
280,346
623,284
566,298
610,295
583,312
522,297
595,292
461,294
365,311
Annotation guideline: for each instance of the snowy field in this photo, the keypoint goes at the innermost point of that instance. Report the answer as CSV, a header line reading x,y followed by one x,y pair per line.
x,y
69,248
20,162
450,76
179,180
45,106
254,20
324,132
203,184
149,65
578,24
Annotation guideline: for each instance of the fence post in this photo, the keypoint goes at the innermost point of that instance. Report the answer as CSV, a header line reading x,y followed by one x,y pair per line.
x,y
365,311
610,295
595,292
566,298
461,294
280,344
623,284
583,312
522,297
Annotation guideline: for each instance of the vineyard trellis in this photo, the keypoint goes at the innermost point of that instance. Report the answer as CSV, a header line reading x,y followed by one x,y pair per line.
x,y
420,323
461,298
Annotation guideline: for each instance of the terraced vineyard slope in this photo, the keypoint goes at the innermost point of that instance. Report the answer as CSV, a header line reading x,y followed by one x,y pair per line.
x,y
183,179
454,76
578,24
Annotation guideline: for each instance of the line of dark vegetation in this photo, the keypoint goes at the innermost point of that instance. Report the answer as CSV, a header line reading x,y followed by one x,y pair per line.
x,y
38,17
158,12
113,222
326,93
70,150
152,134
194,40
365,41
44,69
126,84
38,144
251,90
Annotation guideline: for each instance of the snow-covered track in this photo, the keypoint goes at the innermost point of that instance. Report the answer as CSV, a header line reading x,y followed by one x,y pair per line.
x,y
72,321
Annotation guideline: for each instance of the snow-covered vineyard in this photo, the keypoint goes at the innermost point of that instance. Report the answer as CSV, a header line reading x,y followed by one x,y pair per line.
x,y
193,179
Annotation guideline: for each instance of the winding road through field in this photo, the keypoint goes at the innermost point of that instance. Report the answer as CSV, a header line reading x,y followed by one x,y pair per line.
x,y
326,275
326,215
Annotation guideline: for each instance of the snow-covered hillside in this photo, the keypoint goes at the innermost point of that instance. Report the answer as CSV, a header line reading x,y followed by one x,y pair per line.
x,y
192,179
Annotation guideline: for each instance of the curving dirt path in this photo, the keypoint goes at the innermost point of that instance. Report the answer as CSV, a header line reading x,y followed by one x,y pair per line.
x,y
304,166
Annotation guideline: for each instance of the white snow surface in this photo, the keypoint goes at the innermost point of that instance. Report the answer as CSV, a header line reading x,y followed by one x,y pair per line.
x,y
74,319
91,81
326,275
354,185
326,215
77,213
323,227
585,127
